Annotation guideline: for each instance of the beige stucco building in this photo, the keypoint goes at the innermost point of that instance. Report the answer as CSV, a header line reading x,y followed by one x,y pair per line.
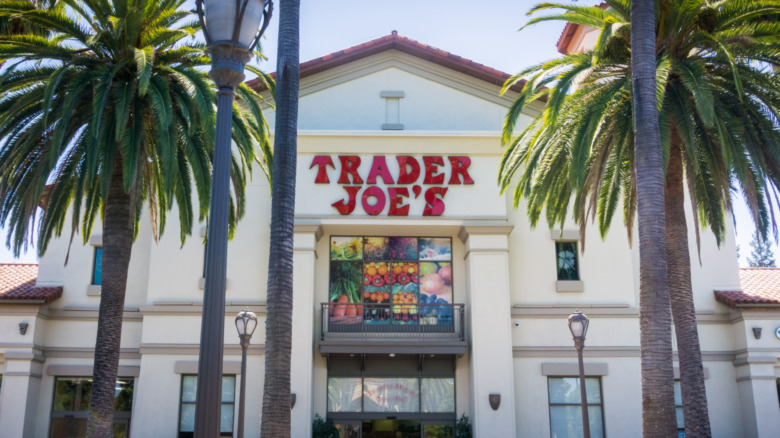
x,y
419,291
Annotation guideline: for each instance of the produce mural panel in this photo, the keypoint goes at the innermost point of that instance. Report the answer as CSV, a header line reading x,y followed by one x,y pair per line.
x,y
390,280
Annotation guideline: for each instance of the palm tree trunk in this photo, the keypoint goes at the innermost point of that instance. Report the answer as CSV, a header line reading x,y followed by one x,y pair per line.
x,y
278,338
694,396
658,417
117,245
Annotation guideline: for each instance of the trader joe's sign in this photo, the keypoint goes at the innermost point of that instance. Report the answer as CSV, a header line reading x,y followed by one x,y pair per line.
x,y
404,177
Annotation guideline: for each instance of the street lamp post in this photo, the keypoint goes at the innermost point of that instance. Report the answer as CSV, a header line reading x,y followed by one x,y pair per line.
x,y
230,28
246,322
578,324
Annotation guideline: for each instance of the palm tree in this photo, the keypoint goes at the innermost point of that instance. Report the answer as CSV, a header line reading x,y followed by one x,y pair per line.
x,y
108,113
717,100
279,302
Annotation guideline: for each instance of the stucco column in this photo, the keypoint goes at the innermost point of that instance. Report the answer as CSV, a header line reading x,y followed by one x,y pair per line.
x,y
304,308
21,386
489,328
758,396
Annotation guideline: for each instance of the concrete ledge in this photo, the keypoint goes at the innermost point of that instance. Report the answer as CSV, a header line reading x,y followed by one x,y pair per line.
x,y
194,349
87,370
191,367
569,286
96,240
677,373
746,378
93,290
391,94
565,234
392,126
754,360
573,369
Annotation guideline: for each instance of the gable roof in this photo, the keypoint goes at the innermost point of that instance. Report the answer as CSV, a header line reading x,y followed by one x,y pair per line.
x,y
760,287
393,41
17,282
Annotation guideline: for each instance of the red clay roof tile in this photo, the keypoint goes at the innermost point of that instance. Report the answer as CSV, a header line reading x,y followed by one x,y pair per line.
x,y
17,282
760,286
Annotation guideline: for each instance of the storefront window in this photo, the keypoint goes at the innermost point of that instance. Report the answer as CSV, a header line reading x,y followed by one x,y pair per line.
x,y
70,409
391,394
438,395
189,390
380,281
344,394
566,407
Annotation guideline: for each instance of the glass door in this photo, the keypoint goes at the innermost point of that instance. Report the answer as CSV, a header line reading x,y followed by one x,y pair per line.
x,y
348,429
438,429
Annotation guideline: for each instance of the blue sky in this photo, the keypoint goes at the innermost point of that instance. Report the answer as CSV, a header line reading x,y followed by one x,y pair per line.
x,y
485,32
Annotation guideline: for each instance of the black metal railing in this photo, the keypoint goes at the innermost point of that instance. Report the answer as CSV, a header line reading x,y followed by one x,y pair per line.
x,y
387,320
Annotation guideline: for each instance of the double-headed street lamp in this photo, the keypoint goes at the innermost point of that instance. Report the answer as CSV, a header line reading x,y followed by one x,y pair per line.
x,y
578,324
232,29
246,323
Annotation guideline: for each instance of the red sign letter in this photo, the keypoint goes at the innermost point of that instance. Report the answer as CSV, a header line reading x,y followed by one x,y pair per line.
x,y
396,198
379,168
348,206
434,205
407,176
431,175
349,165
322,161
460,166
377,208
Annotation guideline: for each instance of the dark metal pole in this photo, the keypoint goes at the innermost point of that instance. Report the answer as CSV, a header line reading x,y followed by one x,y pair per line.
x,y
580,344
227,72
242,396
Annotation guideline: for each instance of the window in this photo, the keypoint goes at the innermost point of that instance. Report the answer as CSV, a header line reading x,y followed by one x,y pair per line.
x,y
391,394
70,408
678,407
189,390
566,407
566,255
97,267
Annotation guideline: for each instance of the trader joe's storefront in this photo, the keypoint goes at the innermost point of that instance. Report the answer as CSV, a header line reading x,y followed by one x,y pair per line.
x,y
392,395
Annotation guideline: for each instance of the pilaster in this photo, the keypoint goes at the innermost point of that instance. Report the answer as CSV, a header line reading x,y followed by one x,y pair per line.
x,y
302,364
756,383
488,308
21,386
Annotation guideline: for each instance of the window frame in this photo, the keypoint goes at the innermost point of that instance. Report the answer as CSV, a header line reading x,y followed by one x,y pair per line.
x,y
678,390
576,260
95,259
234,403
550,404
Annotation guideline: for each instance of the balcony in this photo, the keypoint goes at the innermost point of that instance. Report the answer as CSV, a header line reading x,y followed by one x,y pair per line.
x,y
392,328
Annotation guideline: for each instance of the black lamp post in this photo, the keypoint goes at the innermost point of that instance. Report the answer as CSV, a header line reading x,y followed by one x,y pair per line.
x,y
246,323
231,31
578,324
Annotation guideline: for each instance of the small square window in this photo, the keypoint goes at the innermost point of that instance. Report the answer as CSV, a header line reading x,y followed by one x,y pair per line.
x,y
97,267
566,261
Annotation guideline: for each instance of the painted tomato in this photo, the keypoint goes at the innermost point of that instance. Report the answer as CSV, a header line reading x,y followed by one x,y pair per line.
x,y
367,279
377,281
389,278
403,279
